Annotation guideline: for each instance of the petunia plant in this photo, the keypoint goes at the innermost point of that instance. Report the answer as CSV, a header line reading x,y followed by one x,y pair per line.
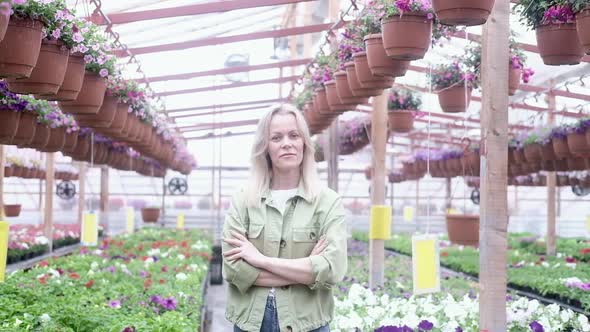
x,y
518,60
98,57
449,75
323,69
403,99
535,13
11,101
351,42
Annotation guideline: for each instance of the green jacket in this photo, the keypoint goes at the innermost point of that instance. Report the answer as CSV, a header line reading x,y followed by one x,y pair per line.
x,y
300,307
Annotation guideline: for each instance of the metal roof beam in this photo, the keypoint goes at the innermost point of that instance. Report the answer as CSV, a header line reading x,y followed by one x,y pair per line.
x,y
229,86
220,106
194,115
196,9
229,39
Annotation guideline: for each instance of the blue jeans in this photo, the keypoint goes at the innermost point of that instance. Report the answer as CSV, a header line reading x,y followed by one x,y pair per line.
x,y
270,321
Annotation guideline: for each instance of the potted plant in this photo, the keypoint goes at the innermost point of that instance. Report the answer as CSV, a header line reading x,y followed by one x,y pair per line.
x,y
5,9
328,66
321,72
555,26
454,86
402,103
576,138
407,28
350,43
12,210
582,10
463,229
19,50
517,68
463,12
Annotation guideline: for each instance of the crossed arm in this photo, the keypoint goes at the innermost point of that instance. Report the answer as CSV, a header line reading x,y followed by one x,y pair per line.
x,y
274,272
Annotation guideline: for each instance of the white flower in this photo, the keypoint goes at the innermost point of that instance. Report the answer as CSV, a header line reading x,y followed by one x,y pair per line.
x,y
45,318
180,257
181,276
17,322
153,252
41,240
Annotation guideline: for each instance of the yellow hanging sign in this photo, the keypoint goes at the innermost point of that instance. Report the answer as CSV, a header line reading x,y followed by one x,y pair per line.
x,y
452,211
426,264
130,220
89,229
408,213
4,227
380,228
180,221
588,223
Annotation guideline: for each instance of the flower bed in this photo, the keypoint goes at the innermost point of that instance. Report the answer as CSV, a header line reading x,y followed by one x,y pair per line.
x,y
130,283
548,276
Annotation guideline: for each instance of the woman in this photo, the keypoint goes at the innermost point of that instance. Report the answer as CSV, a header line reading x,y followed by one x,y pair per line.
x,y
284,236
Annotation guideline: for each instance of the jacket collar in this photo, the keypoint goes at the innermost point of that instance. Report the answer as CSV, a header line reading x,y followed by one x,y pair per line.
x,y
300,193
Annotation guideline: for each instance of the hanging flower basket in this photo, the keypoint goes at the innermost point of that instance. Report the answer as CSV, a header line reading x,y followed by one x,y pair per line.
x,y
41,137
366,78
73,80
532,153
322,100
559,44
576,164
344,91
4,18
8,124
463,229
90,98
407,37
583,28
455,99
57,139
379,63
462,12
578,145
12,210
19,50
71,141
26,128
514,80
336,105
355,84
48,74
561,149
401,121
105,116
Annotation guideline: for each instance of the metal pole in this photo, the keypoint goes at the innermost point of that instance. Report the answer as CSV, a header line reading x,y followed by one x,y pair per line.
x,y
551,182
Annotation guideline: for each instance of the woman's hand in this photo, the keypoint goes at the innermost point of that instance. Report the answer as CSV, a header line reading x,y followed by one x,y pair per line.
x,y
244,249
319,247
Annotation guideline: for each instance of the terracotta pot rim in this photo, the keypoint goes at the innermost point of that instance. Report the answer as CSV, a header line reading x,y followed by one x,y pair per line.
x,y
373,36
349,64
331,82
340,73
556,26
25,21
419,14
401,111
462,216
359,54
319,89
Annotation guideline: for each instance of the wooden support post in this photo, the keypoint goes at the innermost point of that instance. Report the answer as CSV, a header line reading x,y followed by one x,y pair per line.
x,y
494,168
49,185
417,212
2,164
448,198
378,141
551,182
391,187
163,201
332,157
104,188
81,191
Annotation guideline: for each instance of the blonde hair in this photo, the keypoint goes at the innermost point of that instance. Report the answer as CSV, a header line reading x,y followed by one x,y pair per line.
x,y
261,171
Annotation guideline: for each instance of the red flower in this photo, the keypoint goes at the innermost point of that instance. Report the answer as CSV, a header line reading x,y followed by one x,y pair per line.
x,y
585,251
43,264
162,281
74,275
570,260
147,283
89,283
164,269
43,280
61,272
444,254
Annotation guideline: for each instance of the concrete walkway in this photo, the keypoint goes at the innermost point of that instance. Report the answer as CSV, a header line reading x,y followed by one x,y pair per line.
x,y
216,298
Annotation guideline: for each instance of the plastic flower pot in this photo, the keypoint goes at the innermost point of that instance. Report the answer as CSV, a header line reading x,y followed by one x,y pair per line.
x,y
90,98
462,12
407,37
400,121
105,116
355,85
366,77
73,80
19,50
12,210
8,125
48,74
514,76
559,44
463,229
25,131
583,28
379,63
455,99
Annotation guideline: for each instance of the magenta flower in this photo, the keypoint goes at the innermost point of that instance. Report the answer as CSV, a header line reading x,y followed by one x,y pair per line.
x,y
116,304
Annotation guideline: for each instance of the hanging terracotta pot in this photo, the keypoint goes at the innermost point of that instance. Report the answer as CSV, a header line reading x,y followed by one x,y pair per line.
x,y
19,50
5,8
8,171
583,28
8,124
518,155
561,149
463,229
81,148
70,142
401,121
559,44
455,99
26,129
366,78
336,105
48,74
322,100
578,145
462,12
90,98
532,153
355,84
514,80
576,164
12,210
41,137
57,139
344,91
406,37
379,63
73,80
105,116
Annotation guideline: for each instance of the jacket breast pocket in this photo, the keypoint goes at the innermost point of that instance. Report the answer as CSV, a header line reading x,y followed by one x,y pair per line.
x,y
304,239
256,235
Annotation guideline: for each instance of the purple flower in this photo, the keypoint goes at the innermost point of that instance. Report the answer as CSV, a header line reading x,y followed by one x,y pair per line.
x,y
536,327
169,303
143,274
103,72
458,329
116,304
129,329
425,325
111,269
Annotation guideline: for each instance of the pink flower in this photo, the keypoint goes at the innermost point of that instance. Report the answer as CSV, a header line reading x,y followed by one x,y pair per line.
x,y
77,37
56,33
103,73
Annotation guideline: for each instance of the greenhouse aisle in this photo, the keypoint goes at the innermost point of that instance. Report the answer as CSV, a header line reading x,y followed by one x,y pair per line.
x,y
216,297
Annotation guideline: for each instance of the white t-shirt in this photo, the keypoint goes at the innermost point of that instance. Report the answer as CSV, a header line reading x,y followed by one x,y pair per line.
x,y
280,198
